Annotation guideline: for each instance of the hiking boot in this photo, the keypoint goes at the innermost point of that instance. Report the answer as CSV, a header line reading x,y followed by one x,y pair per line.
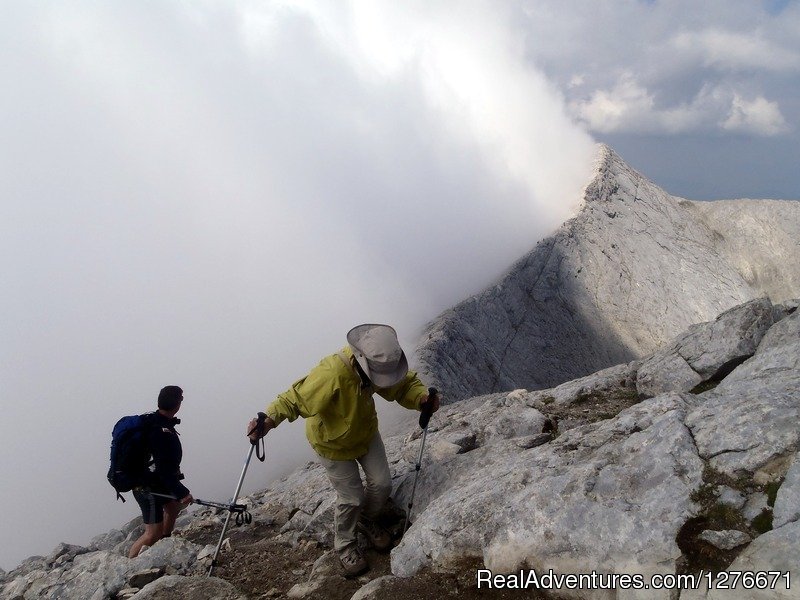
x,y
377,535
352,560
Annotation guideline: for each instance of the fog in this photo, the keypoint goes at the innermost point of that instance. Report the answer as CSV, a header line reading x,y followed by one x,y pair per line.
x,y
210,196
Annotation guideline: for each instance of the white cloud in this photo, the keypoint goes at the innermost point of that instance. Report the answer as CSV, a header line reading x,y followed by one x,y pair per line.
x,y
210,194
732,50
623,106
630,107
577,80
758,117
670,66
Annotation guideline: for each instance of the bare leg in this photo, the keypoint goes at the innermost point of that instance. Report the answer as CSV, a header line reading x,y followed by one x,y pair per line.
x,y
171,510
152,533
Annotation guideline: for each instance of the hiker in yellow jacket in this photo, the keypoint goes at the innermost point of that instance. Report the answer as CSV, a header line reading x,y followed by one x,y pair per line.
x,y
335,399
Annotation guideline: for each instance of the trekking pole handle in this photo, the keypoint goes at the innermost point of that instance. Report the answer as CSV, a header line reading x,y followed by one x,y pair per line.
x,y
259,427
427,409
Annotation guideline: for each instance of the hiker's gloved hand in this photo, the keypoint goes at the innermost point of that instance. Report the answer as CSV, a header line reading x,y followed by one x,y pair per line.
x,y
252,429
426,400
186,500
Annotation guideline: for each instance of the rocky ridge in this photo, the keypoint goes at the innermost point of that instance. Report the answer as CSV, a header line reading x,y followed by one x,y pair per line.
x,y
609,472
678,453
631,270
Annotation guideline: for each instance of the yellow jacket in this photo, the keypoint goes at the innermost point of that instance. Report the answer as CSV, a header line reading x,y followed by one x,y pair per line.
x,y
339,412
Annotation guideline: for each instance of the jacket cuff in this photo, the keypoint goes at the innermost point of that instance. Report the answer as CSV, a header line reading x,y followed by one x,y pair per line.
x,y
274,415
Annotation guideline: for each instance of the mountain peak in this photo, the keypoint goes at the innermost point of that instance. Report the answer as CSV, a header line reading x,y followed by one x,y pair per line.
x,y
633,268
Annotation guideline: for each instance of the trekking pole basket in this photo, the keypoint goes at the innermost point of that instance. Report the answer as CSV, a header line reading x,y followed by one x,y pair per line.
x,y
243,516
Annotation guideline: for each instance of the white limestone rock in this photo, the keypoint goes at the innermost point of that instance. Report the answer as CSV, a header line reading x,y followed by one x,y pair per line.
x,y
326,565
749,421
776,550
756,504
107,541
727,539
177,587
443,449
64,553
142,578
305,589
730,497
613,380
634,268
666,372
609,496
787,502
100,574
730,338
706,350
375,589
207,552
759,238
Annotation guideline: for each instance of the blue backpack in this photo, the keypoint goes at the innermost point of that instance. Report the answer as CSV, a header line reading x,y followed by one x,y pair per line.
x,y
130,453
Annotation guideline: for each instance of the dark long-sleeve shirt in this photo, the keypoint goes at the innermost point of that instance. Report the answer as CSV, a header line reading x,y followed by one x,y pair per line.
x,y
167,454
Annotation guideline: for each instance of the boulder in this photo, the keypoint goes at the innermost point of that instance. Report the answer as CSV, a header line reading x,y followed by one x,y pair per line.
x,y
308,496
443,449
142,578
176,587
101,574
64,553
666,371
609,496
787,502
774,551
756,504
748,423
727,539
305,589
707,350
731,497
127,593
326,565
614,380
107,541
375,589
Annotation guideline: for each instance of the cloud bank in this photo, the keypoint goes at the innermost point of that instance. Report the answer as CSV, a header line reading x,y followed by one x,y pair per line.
x,y
211,195
671,68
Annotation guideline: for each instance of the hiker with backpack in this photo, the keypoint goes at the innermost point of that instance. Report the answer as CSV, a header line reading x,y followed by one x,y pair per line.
x,y
335,399
158,488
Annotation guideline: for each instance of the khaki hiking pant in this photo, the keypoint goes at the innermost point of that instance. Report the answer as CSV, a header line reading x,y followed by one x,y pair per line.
x,y
354,499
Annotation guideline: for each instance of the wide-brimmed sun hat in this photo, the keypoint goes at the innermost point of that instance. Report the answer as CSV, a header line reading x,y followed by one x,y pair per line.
x,y
379,353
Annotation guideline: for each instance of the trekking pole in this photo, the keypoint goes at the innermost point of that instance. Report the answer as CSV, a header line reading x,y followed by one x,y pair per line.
x,y
169,496
260,454
424,417
243,517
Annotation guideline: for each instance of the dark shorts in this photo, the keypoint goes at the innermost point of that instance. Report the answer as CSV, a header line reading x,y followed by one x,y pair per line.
x,y
152,506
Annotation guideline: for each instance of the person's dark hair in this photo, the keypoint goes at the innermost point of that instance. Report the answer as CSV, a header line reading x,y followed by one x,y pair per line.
x,y
169,398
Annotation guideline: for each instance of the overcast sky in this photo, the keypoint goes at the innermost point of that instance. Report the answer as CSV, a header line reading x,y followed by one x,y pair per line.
x,y
210,194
